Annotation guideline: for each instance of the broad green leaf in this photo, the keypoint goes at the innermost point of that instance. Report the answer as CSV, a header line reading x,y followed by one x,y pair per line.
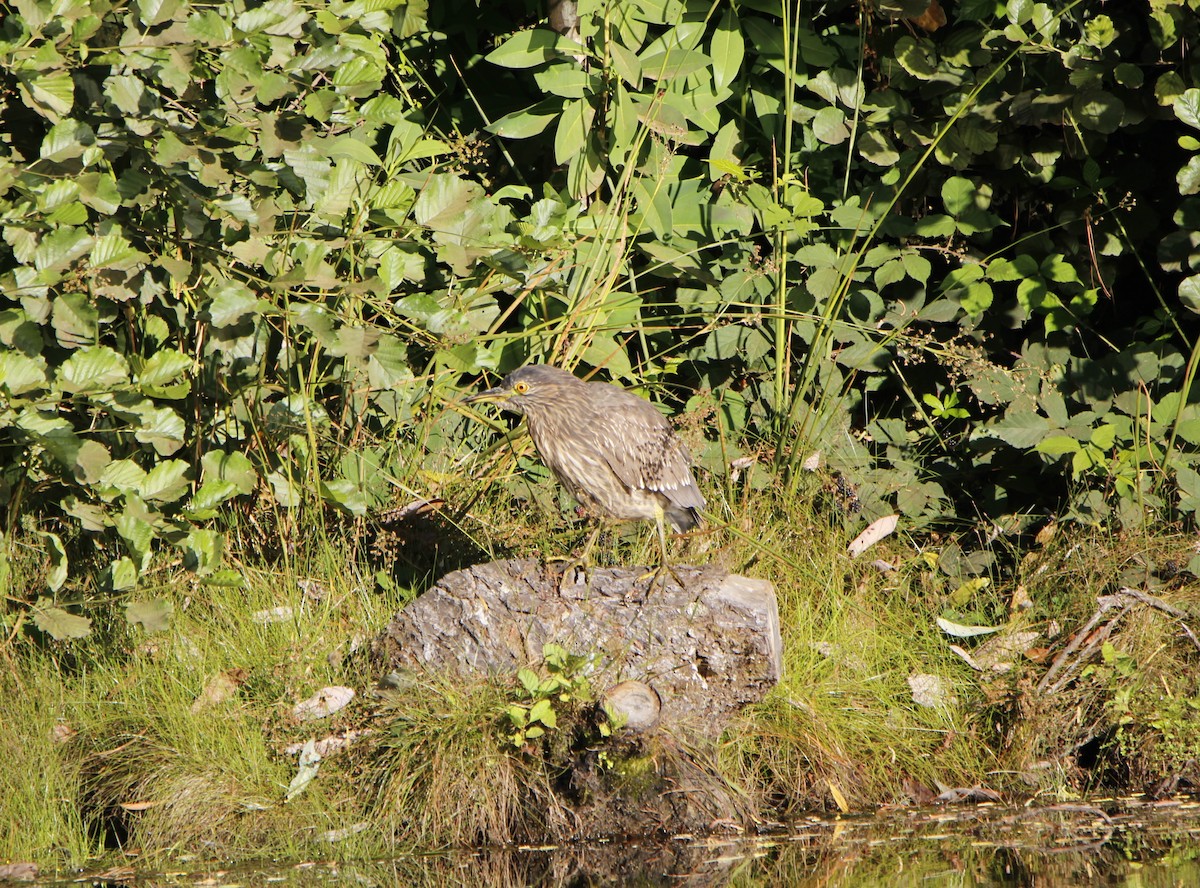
x,y
203,550
166,482
351,148
153,614
155,12
96,368
877,148
829,126
917,266
543,711
347,494
91,460
627,65
59,565
203,505
1022,429
20,374
1187,107
443,199
59,624
1098,110
526,49
566,80
728,49
162,429
573,129
958,194
61,248
527,122
122,574
934,225
75,320
123,475
51,95
1056,445
163,366
976,298
917,57
138,534
1099,31
674,64
1188,176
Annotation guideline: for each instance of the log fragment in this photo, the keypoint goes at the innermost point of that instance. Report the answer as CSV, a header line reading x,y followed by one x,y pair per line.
x,y
705,648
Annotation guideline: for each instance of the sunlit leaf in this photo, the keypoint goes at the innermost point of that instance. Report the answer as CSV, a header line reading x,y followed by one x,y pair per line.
x,y
60,624
153,615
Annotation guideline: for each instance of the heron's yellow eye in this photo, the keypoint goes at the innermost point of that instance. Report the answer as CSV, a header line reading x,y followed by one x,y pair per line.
x,y
521,388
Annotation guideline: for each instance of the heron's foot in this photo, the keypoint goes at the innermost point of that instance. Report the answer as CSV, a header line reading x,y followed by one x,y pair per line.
x,y
659,576
574,570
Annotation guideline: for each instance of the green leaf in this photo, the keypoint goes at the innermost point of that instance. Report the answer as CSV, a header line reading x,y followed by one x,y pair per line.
x,y
51,95
673,64
60,624
155,12
94,369
163,430
829,126
203,551
1188,177
1187,107
1022,429
122,574
573,128
203,504
91,460
958,194
233,467
1098,110
528,679
728,49
1099,31
917,57
123,476
351,148
58,561
163,366
543,711
138,535
166,482
75,320
1056,445
525,49
528,121
153,615
20,374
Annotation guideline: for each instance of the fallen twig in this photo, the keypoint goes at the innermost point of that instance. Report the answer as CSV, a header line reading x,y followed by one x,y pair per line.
x,y
1068,660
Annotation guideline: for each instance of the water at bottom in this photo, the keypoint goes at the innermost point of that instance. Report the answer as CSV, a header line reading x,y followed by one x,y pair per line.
x,y
1101,842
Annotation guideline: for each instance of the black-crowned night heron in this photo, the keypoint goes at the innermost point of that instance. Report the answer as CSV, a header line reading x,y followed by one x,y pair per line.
x,y
612,451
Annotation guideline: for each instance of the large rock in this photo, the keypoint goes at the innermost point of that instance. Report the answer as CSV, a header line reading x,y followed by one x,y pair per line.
x,y
706,647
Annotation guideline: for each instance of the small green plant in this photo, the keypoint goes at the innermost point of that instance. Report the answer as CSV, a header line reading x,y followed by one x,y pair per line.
x,y
535,714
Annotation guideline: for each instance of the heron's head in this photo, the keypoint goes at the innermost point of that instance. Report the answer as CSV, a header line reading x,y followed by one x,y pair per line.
x,y
533,388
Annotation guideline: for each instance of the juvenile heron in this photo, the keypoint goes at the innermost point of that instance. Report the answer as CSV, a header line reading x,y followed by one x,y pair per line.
x,y
612,451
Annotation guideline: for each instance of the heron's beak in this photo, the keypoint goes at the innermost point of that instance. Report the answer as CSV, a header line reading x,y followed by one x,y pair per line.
x,y
496,394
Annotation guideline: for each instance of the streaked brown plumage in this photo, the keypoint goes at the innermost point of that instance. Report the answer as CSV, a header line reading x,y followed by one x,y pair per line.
x,y
612,451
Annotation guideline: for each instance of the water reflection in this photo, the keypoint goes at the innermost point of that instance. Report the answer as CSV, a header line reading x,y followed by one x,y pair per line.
x,y
1106,842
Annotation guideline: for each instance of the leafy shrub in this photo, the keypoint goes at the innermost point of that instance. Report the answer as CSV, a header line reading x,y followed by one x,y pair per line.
x,y
249,248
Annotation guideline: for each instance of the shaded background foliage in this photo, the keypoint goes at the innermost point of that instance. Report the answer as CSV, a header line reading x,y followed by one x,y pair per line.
x,y
251,250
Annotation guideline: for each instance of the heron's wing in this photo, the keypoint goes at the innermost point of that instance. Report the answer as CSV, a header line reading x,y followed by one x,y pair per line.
x,y
642,448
